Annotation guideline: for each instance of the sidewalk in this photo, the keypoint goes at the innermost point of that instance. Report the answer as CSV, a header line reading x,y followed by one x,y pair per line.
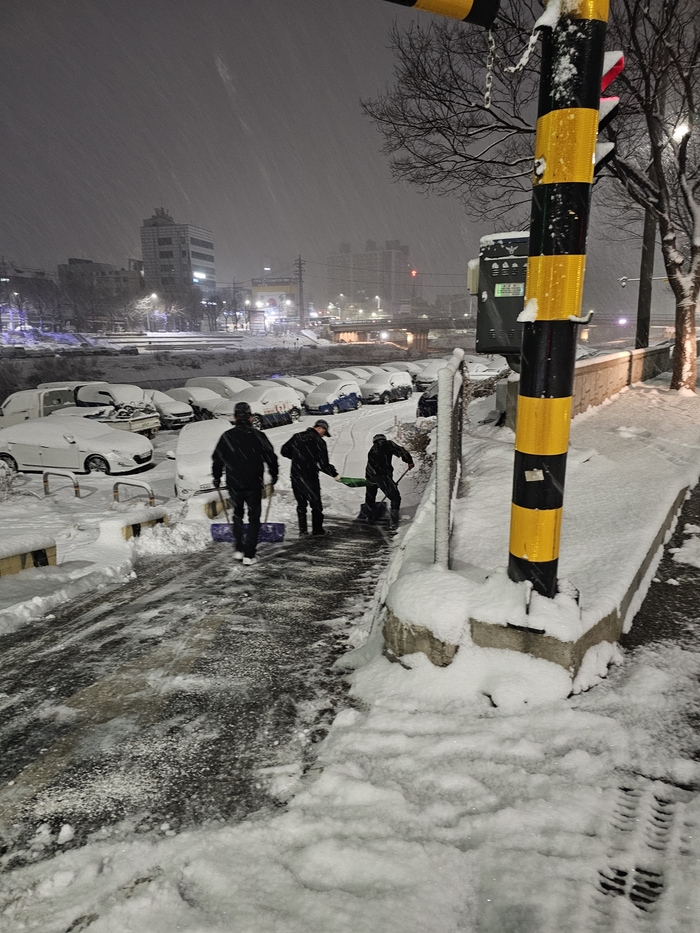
x,y
432,810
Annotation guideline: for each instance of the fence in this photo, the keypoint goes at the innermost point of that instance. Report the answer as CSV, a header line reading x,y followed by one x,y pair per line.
x,y
451,390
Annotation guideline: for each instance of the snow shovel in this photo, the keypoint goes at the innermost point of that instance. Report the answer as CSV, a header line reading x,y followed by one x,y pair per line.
x,y
379,514
354,482
270,532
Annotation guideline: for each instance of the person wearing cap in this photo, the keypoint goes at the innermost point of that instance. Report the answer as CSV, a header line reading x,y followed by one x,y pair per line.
x,y
380,475
244,453
309,457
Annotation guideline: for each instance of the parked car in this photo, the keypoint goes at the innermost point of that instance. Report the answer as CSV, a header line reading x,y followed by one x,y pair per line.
x,y
404,366
51,397
382,388
275,382
428,402
225,386
33,403
300,385
195,445
361,373
78,444
173,414
205,403
130,403
271,405
331,374
429,373
333,396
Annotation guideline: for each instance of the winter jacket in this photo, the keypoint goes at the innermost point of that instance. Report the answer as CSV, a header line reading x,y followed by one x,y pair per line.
x,y
308,453
380,456
243,452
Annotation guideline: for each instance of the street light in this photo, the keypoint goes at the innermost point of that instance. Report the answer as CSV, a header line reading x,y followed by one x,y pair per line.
x,y
680,131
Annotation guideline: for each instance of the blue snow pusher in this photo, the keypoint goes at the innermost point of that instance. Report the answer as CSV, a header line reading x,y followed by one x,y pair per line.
x,y
270,532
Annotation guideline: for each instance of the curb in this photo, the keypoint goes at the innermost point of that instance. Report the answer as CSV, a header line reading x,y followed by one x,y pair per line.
x,y
146,518
25,557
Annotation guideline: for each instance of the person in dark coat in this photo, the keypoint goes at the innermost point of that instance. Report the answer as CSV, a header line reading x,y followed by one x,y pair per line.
x,y
309,456
244,453
380,475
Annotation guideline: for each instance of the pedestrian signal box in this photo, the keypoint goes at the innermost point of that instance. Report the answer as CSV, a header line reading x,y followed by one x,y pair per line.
x,y
501,293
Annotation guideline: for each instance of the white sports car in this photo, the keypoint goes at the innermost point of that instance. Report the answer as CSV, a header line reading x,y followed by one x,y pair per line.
x,y
76,444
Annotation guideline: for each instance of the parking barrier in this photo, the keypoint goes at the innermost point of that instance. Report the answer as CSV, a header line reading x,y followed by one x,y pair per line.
x,y
68,474
139,484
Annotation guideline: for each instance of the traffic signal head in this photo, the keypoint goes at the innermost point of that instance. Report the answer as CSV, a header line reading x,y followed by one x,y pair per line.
x,y
613,63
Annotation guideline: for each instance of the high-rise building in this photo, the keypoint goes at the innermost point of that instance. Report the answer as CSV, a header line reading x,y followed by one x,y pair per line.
x,y
177,258
382,273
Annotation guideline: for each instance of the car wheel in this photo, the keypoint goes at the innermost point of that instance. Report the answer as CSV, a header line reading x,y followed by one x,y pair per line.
x,y
9,462
336,410
96,464
386,398
256,422
295,414
358,404
409,392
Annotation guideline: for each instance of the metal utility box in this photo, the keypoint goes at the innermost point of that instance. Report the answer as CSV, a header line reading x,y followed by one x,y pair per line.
x,y
501,295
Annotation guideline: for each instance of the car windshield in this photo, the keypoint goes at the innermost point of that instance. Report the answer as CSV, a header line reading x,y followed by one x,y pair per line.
x,y
378,379
200,438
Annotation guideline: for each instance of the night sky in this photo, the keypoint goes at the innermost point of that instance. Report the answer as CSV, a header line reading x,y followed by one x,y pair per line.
x,y
240,116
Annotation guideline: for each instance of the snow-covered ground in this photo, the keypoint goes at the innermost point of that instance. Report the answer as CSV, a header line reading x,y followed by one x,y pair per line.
x,y
431,809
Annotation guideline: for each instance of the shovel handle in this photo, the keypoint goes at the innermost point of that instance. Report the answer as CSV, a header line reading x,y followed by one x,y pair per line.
x,y
223,505
397,481
269,505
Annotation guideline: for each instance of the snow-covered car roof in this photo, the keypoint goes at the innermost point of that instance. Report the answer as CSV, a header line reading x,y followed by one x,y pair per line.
x,y
198,393
199,438
331,387
258,394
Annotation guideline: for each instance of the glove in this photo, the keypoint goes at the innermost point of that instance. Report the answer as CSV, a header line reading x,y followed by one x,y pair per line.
x,y
268,490
338,478
217,483
411,465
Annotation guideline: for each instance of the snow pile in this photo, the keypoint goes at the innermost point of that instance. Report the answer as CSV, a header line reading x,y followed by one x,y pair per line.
x,y
23,544
689,552
435,599
183,538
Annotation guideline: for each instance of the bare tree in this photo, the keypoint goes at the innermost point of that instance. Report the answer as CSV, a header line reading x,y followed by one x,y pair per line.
x,y
657,155
441,132
444,135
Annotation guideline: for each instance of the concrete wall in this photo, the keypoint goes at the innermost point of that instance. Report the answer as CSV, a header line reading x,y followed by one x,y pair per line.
x,y
602,377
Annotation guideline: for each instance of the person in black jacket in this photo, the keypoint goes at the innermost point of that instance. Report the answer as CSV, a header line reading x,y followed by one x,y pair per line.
x,y
380,475
309,456
244,452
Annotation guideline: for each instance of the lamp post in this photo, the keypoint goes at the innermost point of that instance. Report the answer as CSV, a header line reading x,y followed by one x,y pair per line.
x,y
153,298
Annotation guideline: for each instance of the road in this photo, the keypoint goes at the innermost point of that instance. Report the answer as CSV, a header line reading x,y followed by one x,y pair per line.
x,y
160,704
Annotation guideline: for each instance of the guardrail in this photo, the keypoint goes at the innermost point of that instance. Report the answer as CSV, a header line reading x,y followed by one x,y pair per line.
x,y
451,389
139,484
67,474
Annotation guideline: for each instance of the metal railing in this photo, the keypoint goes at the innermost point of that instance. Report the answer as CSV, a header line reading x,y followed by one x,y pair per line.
x,y
140,484
451,389
67,474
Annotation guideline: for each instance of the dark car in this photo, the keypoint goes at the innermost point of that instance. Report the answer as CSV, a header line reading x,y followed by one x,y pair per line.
x,y
428,402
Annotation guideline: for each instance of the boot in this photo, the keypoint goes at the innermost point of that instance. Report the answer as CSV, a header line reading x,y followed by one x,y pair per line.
x,y
393,519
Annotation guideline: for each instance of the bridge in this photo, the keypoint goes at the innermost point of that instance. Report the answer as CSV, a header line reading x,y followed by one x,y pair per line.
x,y
410,330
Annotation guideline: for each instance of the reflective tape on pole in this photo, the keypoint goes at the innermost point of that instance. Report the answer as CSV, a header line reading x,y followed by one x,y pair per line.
x,y
476,12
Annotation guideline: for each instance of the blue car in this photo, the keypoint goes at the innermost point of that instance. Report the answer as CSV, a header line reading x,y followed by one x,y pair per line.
x,y
332,397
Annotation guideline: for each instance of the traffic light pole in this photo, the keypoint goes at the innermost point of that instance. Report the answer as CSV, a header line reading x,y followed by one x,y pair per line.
x,y
567,124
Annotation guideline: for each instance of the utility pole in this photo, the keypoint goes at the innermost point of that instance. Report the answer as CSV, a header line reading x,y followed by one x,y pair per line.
x,y
646,275
300,280
565,149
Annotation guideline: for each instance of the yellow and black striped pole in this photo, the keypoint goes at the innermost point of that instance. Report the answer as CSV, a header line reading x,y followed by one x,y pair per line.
x,y
477,12
567,123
